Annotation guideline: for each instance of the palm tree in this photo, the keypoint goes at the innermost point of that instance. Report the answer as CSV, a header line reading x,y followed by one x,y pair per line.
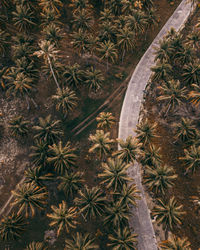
x,y
80,4
82,19
50,4
101,143
191,73
65,99
106,15
123,239
120,22
114,174
175,243
3,42
193,39
137,21
128,195
70,183
58,69
73,75
152,18
34,175
63,217
11,227
53,33
116,6
19,126
125,40
172,94
48,130
151,156
117,215
36,246
107,32
160,178
26,66
185,56
105,120
80,242
23,17
169,214
194,95
80,41
48,52
62,157
49,16
164,51
146,132
185,130
129,149
39,153
91,202
191,158
21,86
162,71
108,51
28,196
94,79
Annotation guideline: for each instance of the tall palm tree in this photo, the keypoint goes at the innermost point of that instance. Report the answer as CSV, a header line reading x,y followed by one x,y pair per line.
x,y
94,79
36,246
175,243
123,239
3,41
80,242
128,194
172,94
11,227
63,217
151,156
48,52
194,95
19,126
160,178
162,71
146,132
53,33
28,196
23,18
137,21
101,143
65,99
191,158
117,215
108,51
105,120
70,183
191,73
169,214
73,75
50,4
125,40
58,69
62,157
129,149
48,130
114,174
91,202
185,130
82,19
39,153
80,41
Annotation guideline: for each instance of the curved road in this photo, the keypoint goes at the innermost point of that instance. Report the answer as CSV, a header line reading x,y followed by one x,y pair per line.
x,y
141,221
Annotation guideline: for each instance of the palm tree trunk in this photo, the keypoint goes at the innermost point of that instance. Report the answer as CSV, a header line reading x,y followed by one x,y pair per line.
x,y
28,104
54,77
34,103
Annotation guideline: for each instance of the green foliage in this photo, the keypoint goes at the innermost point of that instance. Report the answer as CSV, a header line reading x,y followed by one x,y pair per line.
x,y
19,126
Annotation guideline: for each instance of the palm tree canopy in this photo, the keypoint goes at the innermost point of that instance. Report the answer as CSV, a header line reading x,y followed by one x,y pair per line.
x,y
36,246
105,120
114,174
80,242
175,243
91,202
